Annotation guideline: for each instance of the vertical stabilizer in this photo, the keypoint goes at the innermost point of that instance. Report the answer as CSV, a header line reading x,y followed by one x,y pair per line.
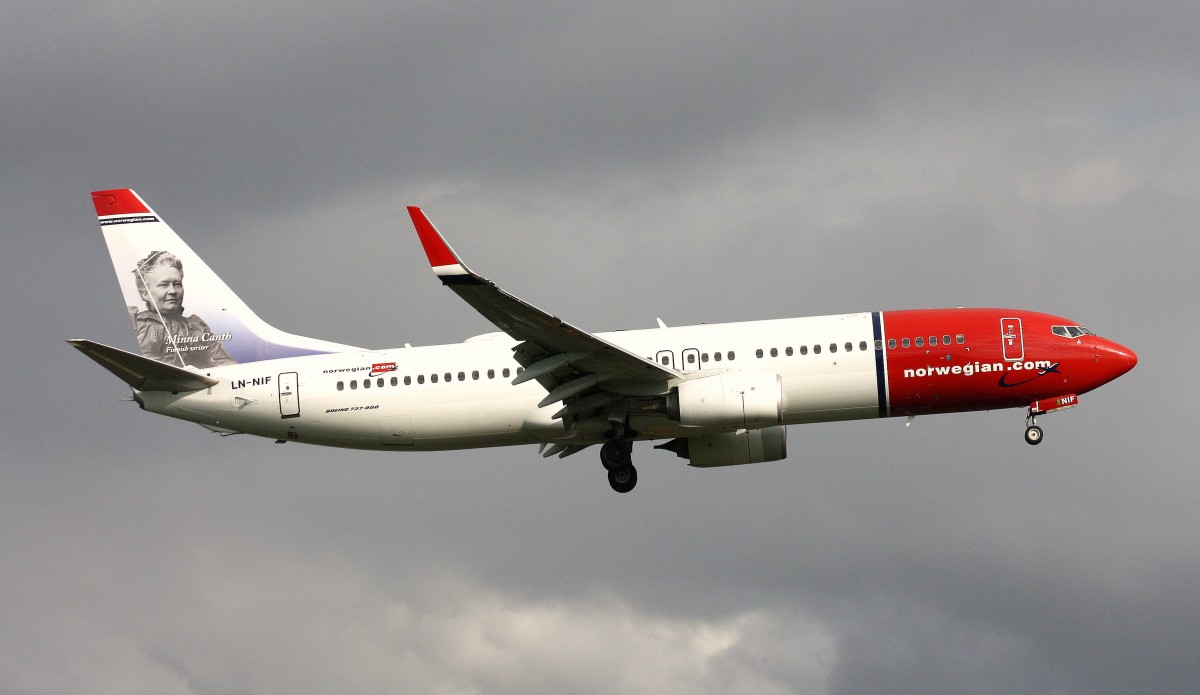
x,y
182,313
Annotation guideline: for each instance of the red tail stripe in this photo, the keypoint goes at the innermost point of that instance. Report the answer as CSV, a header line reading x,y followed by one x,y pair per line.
x,y
121,201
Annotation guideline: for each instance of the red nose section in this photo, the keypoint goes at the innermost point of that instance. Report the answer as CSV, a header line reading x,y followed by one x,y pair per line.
x,y
1116,359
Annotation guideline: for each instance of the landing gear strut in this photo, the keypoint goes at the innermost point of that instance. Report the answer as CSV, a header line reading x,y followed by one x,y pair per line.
x,y
616,455
1033,433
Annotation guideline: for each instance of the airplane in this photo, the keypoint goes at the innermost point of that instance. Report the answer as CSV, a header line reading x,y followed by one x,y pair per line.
x,y
715,394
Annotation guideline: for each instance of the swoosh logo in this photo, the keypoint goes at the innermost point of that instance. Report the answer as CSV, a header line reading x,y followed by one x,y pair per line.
x,y
1005,383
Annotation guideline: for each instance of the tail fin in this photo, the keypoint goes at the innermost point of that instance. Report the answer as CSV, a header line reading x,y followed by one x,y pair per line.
x,y
216,328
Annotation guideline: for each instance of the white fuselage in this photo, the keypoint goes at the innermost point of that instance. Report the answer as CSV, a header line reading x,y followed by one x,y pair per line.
x,y
460,395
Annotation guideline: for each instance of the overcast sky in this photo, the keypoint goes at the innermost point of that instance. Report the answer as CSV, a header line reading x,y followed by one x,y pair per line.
x,y
612,163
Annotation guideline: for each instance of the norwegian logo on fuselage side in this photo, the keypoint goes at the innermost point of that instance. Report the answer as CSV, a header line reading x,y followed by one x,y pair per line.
x,y
1037,369
382,368
1042,370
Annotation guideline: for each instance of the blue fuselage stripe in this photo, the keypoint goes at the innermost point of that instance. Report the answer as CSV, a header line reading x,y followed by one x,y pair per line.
x,y
880,367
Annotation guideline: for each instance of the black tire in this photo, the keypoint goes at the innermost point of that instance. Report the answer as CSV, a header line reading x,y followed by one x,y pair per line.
x,y
1033,434
623,478
614,454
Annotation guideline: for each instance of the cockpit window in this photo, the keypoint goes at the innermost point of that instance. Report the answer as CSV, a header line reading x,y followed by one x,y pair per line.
x,y
1070,331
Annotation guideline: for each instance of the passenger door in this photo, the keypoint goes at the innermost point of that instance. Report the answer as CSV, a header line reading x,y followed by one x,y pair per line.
x,y
1012,340
289,395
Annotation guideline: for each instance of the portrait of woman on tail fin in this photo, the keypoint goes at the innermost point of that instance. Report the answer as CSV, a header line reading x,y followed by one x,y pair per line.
x,y
163,332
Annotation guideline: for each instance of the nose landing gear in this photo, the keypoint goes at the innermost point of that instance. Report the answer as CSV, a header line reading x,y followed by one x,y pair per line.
x,y
1033,433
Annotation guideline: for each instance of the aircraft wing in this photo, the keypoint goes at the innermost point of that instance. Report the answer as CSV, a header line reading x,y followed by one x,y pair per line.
x,y
576,367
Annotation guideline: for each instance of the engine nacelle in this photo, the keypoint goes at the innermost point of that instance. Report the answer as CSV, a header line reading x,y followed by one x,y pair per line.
x,y
741,400
732,448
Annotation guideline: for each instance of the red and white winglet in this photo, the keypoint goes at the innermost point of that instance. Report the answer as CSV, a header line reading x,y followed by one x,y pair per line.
x,y
445,263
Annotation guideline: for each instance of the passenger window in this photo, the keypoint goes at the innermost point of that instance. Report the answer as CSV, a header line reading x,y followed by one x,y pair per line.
x,y
849,347
730,355
904,343
758,352
462,376
788,352
816,349
475,375
449,377
879,344
366,383
379,382
433,378
945,340
933,341
520,370
717,356
833,347
891,343
919,341
862,345
505,373
341,385
420,378
774,352
704,357
665,360
491,373
960,338
395,381
691,358
353,385
803,349
408,381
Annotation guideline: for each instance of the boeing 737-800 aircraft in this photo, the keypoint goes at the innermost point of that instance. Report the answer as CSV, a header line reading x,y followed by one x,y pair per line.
x,y
718,394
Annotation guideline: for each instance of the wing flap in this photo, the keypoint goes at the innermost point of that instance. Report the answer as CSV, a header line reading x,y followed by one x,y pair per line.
x,y
142,373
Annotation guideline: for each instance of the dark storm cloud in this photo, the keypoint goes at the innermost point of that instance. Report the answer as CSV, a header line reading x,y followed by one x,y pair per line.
x,y
611,164
533,91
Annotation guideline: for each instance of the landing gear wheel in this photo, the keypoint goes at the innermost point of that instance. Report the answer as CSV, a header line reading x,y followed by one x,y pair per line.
x,y
1033,434
623,478
615,454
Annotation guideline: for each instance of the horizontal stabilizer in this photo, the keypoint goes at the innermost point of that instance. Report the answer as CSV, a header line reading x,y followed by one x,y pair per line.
x,y
142,373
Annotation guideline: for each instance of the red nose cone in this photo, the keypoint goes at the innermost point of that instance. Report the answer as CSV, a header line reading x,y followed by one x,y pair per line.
x,y
1118,359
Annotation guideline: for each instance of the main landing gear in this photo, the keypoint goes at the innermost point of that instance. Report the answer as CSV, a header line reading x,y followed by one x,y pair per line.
x,y
617,457
1033,433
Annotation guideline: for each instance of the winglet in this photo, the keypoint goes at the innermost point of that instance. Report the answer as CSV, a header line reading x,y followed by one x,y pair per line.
x,y
442,259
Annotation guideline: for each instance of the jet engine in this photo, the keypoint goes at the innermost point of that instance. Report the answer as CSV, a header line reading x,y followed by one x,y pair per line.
x,y
731,448
736,400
